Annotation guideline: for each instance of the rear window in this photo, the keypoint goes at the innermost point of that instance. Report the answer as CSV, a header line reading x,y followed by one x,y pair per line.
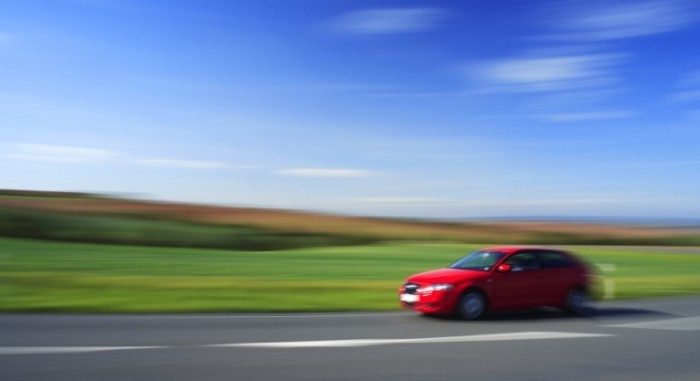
x,y
552,259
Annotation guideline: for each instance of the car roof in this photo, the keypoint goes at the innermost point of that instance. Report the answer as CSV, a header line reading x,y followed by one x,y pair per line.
x,y
512,249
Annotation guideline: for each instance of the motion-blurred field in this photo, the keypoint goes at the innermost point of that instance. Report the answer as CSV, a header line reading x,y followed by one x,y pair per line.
x,y
83,253
76,217
69,277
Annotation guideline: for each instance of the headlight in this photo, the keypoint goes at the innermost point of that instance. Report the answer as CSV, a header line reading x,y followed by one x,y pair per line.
x,y
438,287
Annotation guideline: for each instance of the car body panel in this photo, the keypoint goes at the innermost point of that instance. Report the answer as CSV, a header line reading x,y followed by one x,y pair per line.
x,y
514,289
519,288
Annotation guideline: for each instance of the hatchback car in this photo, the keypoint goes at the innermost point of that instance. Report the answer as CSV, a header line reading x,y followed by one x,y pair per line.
x,y
498,278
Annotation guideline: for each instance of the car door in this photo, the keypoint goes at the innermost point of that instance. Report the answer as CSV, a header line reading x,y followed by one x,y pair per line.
x,y
521,287
558,274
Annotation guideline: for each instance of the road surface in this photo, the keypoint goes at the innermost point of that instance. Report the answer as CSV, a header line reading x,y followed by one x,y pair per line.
x,y
643,340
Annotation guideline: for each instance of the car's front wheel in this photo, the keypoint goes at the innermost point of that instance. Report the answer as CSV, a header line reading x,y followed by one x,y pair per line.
x,y
471,305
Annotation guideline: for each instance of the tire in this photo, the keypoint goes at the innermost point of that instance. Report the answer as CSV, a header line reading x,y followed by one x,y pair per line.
x,y
576,301
471,305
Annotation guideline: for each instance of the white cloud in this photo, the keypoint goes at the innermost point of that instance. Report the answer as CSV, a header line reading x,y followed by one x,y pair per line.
x,y
326,172
605,20
547,73
397,200
389,20
569,99
60,153
420,94
587,116
184,164
72,154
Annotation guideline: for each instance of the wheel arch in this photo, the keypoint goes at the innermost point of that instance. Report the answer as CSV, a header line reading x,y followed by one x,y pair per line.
x,y
472,288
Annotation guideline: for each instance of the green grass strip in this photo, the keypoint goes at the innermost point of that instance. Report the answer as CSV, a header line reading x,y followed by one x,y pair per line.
x,y
45,276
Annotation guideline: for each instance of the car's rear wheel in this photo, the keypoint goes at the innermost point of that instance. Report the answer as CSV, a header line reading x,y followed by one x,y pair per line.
x,y
577,301
471,305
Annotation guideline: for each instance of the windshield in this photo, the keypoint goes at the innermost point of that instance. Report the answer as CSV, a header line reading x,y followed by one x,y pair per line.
x,y
478,260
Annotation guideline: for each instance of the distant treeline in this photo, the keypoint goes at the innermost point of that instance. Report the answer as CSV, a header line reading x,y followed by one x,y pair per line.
x,y
153,231
30,193
94,218
124,230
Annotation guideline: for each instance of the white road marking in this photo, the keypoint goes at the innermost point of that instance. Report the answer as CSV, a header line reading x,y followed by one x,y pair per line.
x,y
47,350
448,339
680,324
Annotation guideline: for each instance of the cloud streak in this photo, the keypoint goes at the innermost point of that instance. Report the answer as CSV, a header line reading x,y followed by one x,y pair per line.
x,y
544,73
605,20
183,164
587,116
84,155
326,172
60,153
566,86
399,201
389,20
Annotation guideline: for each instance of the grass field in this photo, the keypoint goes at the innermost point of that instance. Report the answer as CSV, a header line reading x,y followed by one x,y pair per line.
x,y
76,277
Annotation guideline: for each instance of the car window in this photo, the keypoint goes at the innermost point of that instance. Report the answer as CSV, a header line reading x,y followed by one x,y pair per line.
x,y
479,260
553,259
523,261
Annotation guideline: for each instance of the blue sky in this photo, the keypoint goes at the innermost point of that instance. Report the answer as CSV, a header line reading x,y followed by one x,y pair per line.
x,y
447,109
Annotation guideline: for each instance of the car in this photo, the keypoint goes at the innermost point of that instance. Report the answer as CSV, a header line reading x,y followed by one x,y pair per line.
x,y
501,278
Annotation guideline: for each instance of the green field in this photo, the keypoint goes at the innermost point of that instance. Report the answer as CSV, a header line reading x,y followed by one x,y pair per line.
x,y
75,277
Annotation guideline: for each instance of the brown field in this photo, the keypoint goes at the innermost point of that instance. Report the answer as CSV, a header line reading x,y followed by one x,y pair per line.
x,y
307,222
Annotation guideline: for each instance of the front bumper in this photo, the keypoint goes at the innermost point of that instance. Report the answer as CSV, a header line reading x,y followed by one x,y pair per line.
x,y
435,302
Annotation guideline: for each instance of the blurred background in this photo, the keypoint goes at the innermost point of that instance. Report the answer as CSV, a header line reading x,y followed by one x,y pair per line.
x,y
409,108
379,138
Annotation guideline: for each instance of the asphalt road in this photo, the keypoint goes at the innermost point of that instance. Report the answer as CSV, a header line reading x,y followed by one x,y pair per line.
x,y
644,340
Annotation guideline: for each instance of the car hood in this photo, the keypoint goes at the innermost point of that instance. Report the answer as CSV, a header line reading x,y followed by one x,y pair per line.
x,y
446,276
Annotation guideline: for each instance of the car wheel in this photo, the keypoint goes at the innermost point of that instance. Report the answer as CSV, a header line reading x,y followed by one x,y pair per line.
x,y
471,305
577,301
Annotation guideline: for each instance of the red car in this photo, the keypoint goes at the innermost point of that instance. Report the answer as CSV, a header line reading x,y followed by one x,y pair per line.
x,y
500,278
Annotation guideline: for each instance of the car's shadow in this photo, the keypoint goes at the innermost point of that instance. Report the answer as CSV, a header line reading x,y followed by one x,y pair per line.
x,y
612,312
557,314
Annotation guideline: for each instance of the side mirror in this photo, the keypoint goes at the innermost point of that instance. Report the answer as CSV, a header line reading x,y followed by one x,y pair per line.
x,y
503,268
